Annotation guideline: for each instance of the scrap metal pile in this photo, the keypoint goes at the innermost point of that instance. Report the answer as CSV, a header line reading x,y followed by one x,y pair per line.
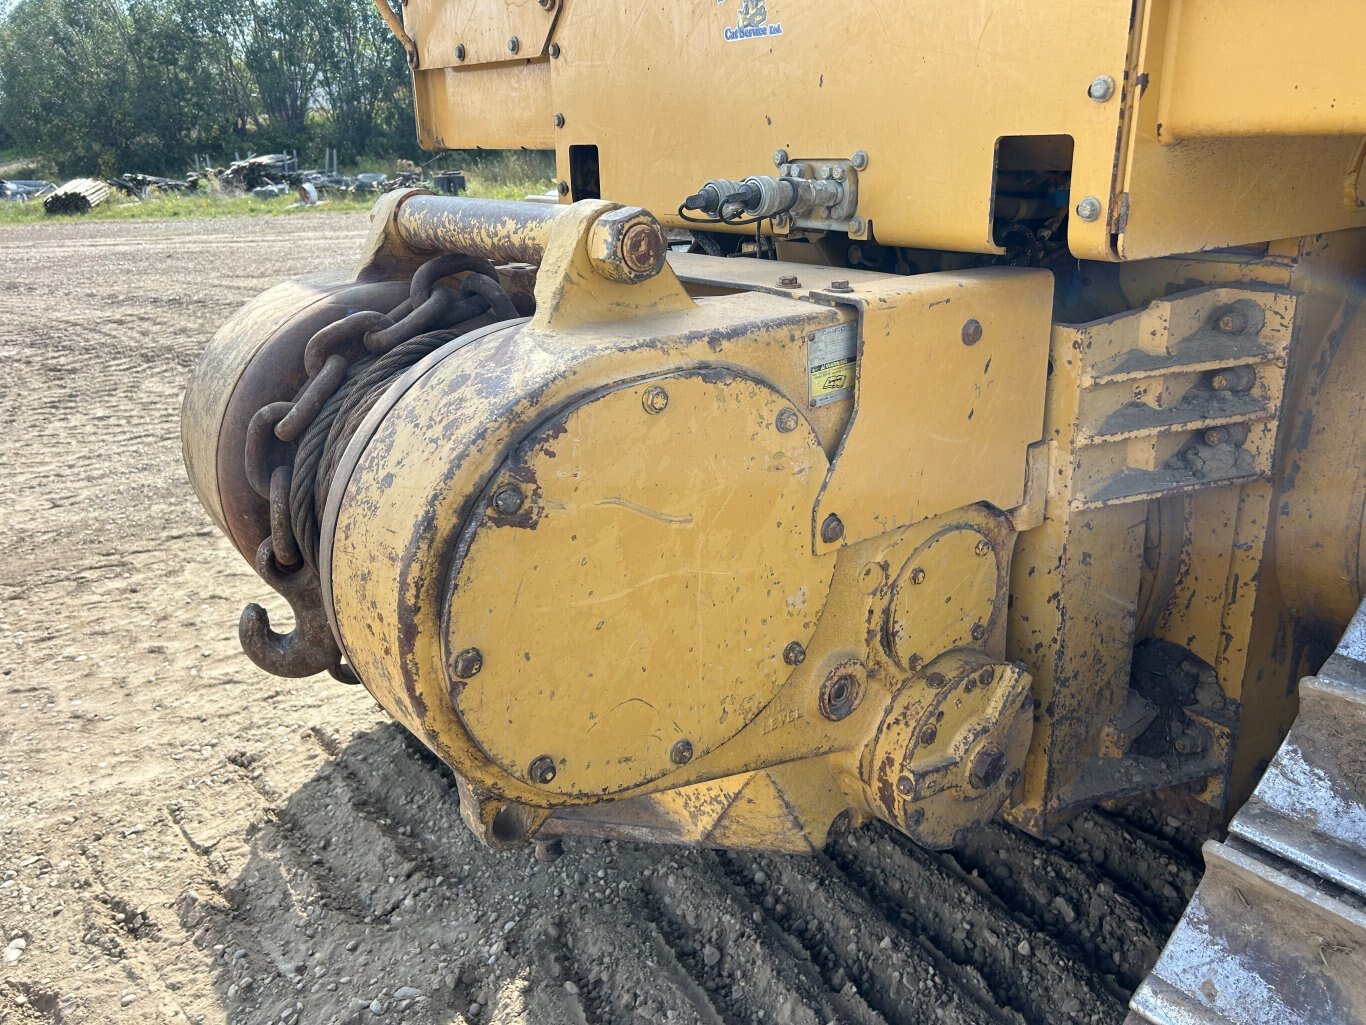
x,y
262,177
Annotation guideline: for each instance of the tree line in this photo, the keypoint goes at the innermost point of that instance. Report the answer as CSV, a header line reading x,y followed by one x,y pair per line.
x,y
112,86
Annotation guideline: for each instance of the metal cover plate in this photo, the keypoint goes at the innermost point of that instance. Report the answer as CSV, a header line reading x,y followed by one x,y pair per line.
x,y
643,592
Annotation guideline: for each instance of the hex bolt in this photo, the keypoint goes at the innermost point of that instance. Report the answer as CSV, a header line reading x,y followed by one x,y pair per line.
x,y
562,188
832,529
987,769
917,576
459,51
1089,208
508,499
935,680
841,285
655,400
514,44
986,676
823,172
554,51
467,663
972,331
929,735
1233,379
978,631
857,226
789,281
1232,322
559,120
915,818
786,421
642,248
542,770
859,159
1101,89
982,547
838,173
1215,436
681,753
779,157
905,786
547,851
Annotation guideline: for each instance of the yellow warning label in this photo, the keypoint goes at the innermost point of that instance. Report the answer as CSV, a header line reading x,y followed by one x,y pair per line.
x,y
830,362
832,381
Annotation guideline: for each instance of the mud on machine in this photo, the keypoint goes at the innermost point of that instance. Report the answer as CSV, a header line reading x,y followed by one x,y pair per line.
x,y
993,452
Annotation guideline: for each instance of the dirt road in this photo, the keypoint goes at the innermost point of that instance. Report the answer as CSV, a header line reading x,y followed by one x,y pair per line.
x,y
184,839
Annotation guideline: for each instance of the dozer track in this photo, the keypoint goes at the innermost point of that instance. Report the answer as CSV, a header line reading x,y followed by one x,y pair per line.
x,y
1276,931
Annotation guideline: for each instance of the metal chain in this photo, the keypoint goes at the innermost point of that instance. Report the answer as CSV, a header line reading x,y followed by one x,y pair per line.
x,y
289,442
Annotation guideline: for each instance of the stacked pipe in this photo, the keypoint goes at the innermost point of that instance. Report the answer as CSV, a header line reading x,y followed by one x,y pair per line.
x,y
77,196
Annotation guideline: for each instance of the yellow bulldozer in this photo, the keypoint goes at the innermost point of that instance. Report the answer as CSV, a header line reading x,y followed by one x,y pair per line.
x,y
926,412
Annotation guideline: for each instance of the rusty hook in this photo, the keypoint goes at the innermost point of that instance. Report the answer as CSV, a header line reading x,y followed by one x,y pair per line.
x,y
306,650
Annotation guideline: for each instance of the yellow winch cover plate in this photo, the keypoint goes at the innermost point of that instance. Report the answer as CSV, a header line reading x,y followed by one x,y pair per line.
x,y
644,591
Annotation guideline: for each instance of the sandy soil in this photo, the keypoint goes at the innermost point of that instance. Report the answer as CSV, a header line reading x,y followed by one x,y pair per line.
x,y
184,839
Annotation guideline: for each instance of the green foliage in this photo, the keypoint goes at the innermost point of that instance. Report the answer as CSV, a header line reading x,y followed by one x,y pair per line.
x,y
110,86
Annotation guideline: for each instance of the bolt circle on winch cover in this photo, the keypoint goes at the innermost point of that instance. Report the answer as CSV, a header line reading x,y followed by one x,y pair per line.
x,y
646,595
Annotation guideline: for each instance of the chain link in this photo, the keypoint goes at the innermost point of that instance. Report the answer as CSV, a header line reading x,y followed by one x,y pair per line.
x,y
338,357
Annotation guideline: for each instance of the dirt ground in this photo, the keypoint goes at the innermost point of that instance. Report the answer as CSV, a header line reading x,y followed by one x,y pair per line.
x,y
184,839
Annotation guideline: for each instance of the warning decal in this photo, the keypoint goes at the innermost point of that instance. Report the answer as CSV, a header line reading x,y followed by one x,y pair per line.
x,y
830,356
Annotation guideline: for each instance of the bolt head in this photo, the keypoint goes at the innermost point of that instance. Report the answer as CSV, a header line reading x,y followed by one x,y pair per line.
x,y
905,786
860,159
548,5
643,247
562,188
823,172
508,499
1233,322
681,753
779,157
832,529
838,173
857,226
514,44
987,769
559,120
655,400
459,51
1089,208
794,654
1101,89
789,281
542,770
983,547
786,421
841,285
917,576
929,735
972,331
554,51
468,663
978,631
935,680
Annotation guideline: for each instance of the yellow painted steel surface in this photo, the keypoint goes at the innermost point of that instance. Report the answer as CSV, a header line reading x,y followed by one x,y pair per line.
x,y
930,91
649,516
